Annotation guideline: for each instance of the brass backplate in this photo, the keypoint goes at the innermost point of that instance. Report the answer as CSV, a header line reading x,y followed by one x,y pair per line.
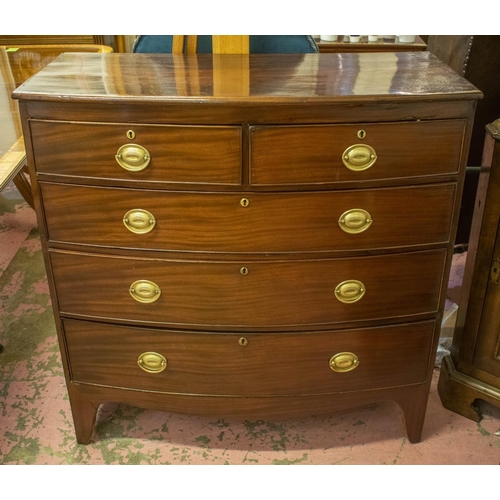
x,y
359,157
145,291
133,157
350,291
139,221
344,362
152,362
355,220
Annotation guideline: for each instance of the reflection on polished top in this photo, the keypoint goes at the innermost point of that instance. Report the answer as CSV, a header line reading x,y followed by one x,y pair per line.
x,y
27,60
248,79
17,64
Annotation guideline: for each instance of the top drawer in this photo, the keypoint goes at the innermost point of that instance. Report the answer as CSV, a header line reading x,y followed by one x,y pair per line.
x,y
346,153
174,154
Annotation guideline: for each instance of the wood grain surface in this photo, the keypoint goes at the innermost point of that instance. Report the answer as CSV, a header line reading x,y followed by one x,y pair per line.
x,y
271,223
272,129
319,78
272,294
293,155
178,154
269,365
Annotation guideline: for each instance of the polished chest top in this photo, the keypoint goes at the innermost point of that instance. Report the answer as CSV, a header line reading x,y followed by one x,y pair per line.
x,y
247,235
254,79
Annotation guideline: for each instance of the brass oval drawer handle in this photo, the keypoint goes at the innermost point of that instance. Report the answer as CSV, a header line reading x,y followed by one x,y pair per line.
x,y
133,157
152,362
350,291
355,221
359,157
145,291
139,221
344,362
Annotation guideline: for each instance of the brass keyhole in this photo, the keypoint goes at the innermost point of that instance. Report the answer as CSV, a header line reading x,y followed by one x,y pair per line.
x,y
131,134
242,341
361,134
244,271
244,202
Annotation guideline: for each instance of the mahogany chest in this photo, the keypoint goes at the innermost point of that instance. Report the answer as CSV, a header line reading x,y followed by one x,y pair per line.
x,y
247,236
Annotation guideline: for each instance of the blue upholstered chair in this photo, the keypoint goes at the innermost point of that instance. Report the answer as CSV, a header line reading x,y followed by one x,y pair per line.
x,y
259,44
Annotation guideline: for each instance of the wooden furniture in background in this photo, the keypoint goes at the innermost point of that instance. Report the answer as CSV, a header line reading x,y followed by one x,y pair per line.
x,y
12,154
17,64
221,44
472,372
476,58
17,40
277,250
344,45
26,60
230,44
12,162
117,42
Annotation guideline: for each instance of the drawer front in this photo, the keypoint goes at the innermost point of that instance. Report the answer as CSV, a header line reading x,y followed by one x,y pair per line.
x,y
314,154
177,154
268,364
220,222
248,294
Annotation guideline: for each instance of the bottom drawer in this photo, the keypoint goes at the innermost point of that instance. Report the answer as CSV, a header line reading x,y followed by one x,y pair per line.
x,y
263,364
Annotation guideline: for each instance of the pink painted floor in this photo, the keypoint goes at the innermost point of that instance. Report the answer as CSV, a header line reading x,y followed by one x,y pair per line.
x,y
35,418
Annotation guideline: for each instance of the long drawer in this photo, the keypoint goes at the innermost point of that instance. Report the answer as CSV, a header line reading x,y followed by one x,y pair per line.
x,y
249,222
319,153
250,364
173,154
248,294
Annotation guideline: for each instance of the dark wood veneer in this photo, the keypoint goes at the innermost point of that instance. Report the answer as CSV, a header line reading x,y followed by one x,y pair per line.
x,y
277,142
294,155
271,223
186,154
273,294
284,79
215,364
472,372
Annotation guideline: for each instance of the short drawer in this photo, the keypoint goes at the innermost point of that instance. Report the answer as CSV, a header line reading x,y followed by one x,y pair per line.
x,y
372,151
248,293
249,364
249,222
158,153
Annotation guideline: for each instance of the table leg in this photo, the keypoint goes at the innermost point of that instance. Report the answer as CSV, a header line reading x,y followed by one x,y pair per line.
x,y
24,187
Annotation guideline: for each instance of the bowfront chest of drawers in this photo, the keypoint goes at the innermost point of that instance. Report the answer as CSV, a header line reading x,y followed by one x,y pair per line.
x,y
247,236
